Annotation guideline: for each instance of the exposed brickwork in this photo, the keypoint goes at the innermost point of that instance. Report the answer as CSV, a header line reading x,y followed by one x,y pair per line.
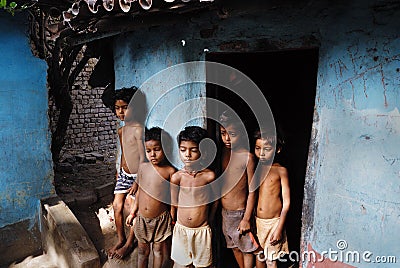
x,y
92,126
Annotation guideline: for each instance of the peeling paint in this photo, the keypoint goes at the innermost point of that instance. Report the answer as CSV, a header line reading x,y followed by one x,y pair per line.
x,y
26,166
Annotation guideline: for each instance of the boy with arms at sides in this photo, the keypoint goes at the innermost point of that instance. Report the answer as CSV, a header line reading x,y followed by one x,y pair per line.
x,y
151,209
237,200
132,152
192,202
273,200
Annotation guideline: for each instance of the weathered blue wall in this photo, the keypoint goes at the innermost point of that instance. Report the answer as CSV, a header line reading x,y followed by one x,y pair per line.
x,y
354,170
25,159
352,189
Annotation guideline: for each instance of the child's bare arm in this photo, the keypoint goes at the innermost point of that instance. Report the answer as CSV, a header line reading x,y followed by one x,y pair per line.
x,y
133,189
175,181
213,205
134,210
139,138
244,225
277,235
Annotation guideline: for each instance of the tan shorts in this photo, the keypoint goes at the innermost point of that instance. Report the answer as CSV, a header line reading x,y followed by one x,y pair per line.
x,y
155,230
192,246
265,229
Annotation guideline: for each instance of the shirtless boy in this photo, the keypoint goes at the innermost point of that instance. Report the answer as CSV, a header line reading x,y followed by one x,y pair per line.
x,y
237,201
191,197
151,209
273,201
132,153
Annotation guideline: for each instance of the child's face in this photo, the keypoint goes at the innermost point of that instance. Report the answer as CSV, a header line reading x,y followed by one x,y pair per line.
x,y
189,153
230,136
154,152
264,150
120,109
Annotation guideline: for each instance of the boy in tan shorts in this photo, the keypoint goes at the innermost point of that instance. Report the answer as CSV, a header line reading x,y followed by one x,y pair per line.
x,y
151,208
273,201
191,196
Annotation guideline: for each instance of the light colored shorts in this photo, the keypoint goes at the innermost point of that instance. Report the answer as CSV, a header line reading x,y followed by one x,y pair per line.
x,y
124,182
265,229
246,243
192,245
155,230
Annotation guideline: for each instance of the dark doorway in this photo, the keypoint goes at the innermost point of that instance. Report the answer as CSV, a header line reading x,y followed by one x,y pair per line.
x,y
288,81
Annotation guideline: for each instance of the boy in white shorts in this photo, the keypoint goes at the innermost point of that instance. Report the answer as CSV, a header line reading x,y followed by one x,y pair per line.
x,y
192,203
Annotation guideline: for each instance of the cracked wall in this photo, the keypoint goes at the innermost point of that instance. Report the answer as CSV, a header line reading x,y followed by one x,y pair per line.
x,y
26,166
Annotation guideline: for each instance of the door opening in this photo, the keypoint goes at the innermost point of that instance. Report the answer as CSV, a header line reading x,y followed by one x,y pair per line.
x,y
288,81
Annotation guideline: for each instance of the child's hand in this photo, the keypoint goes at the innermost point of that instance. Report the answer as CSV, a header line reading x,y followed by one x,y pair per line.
x,y
129,220
244,227
275,238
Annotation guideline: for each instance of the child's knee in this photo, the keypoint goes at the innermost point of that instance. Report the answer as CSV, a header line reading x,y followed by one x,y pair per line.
x,y
118,205
158,249
236,250
143,250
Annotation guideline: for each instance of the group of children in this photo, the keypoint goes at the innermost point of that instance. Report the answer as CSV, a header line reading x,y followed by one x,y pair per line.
x,y
172,210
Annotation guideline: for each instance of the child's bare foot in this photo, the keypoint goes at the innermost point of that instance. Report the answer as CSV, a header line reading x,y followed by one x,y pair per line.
x,y
123,251
112,251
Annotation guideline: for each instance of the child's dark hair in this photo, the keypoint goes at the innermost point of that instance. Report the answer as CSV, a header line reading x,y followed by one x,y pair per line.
x,y
228,117
270,136
110,96
192,133
125,93
153,133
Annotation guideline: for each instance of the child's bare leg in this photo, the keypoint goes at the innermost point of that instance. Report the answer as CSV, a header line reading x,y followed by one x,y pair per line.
x,y
128,246
239,257
143,254
272,264
118,206
168,263
162,253
182,266
260,258
158,254
248,260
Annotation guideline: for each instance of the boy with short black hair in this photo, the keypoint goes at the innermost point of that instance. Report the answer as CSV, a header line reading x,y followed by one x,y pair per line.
x,y
273,200
132,146
238,199
151,209
192,203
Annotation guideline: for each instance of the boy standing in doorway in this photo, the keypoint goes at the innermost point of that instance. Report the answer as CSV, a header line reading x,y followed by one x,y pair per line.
x,y
273,200
237,200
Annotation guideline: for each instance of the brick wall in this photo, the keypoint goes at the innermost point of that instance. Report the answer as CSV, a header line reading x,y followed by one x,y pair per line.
x,y
92,126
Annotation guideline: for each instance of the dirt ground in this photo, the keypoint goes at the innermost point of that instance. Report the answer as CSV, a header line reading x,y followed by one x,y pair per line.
x,y
78,181
83,177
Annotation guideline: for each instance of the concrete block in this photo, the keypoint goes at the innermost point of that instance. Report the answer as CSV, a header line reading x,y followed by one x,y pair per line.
x,y
65,240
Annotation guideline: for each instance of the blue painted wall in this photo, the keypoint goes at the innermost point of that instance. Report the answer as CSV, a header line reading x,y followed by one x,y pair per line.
x,y
25,159
352,189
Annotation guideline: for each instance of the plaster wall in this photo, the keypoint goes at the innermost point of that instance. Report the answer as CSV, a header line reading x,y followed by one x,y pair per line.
x,y
352,186
25,159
